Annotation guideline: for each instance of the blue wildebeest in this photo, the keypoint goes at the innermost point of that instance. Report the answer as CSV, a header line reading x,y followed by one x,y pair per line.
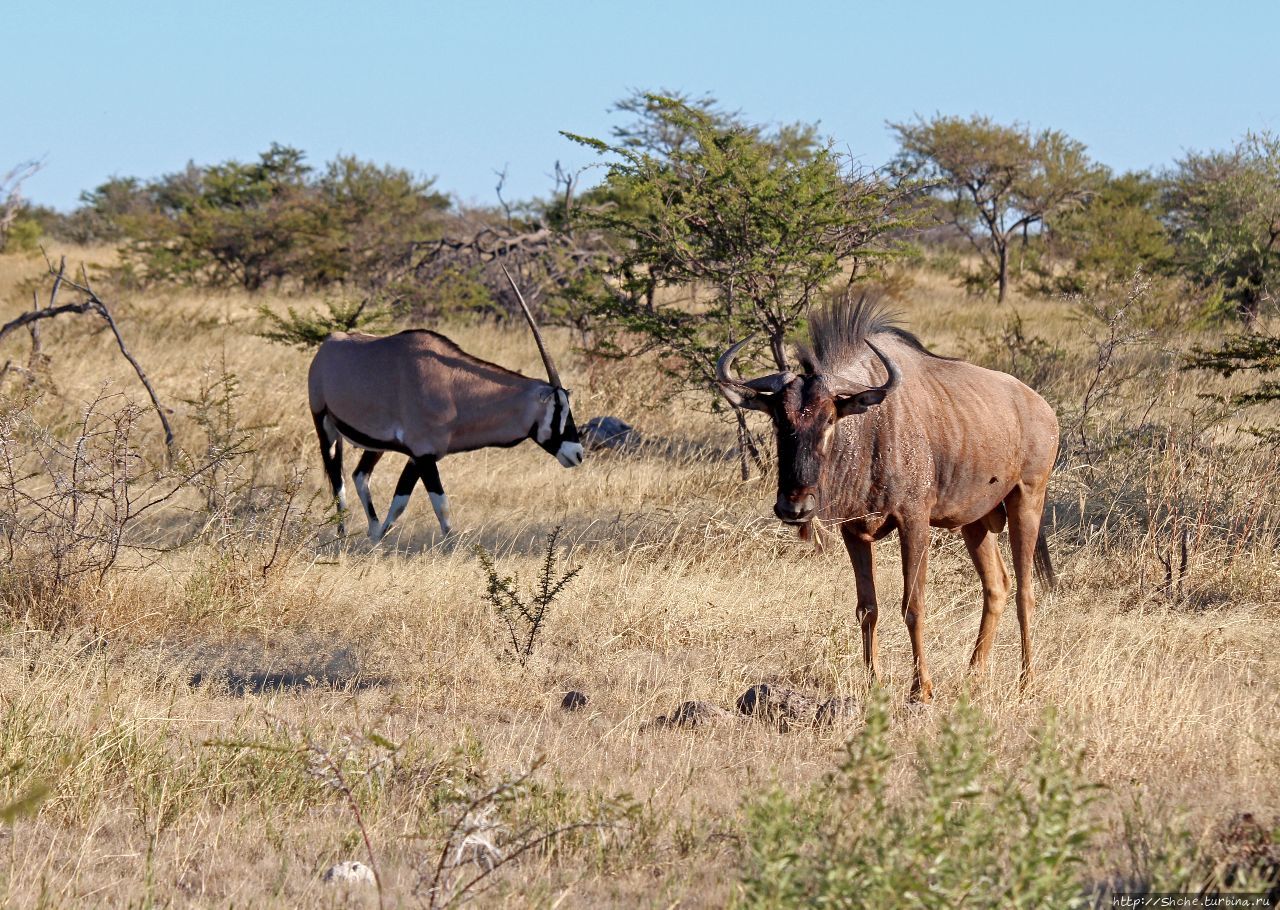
x,y
878,434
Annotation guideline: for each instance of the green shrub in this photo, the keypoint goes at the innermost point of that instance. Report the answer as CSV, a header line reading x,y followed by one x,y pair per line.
x,y
268,222
23,237
1015,350
962,832
523,621
308,330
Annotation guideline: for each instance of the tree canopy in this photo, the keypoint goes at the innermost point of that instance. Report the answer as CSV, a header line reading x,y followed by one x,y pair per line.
x,y
759,221
994,181
1224,217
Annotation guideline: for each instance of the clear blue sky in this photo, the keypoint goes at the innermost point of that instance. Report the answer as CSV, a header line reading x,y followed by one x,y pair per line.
x,y
458,90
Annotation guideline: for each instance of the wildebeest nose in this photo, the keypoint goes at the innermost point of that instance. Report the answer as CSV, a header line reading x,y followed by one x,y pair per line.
x,y
795,507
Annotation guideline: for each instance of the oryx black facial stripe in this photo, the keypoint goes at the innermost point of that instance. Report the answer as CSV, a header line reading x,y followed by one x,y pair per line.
x,y
562,409
557,417
549,431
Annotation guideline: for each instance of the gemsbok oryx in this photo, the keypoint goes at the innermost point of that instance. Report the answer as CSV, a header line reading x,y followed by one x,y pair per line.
x,y
876,434
419,394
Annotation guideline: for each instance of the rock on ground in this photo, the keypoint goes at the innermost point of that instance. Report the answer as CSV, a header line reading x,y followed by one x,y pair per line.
x,y
781,707
608,433
690,714
836,709
349,873
787,709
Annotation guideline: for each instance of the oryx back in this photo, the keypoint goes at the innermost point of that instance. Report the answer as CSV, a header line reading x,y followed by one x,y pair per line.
x,y
418,393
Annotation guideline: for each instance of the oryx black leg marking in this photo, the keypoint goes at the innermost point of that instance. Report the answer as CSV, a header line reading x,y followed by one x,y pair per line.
x,y
331,454
431,480
368,461
404,489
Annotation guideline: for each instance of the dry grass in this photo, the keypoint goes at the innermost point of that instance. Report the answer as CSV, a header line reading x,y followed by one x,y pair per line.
x,y
167,792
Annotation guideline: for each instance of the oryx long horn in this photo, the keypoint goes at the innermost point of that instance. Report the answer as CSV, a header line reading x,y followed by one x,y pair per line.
x,y
552,376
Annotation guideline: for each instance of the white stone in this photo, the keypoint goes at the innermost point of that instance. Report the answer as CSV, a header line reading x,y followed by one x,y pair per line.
x,y
349,873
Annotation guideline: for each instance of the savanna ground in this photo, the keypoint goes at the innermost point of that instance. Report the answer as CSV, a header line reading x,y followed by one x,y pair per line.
x,y
174,723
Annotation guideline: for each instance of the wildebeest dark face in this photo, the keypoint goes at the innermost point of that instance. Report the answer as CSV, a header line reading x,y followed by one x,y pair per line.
x,y
804,411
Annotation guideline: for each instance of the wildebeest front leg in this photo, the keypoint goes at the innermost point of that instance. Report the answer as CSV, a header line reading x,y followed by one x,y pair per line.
x,y
862,556
404,489
368,461
914,537
431,480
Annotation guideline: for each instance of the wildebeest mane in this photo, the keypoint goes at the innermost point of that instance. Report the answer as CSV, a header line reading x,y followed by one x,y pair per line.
x,y
838,332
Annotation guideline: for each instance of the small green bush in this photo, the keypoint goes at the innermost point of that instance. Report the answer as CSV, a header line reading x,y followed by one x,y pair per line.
x,y
23,236
308,330
522,622
964,832
1014,349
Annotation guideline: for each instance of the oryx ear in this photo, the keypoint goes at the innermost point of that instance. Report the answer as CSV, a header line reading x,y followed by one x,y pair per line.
x,y
858,402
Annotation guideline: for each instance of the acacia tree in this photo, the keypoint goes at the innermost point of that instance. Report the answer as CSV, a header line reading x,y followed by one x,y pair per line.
x,y
758,221
1117,233
1224,215
995,182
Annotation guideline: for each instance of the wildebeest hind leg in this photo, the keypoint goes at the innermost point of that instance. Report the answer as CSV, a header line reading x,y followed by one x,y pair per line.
x,y
985,553
1025,507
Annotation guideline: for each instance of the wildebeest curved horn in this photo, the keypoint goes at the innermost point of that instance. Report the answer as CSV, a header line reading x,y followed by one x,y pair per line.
x,y
895,375
552,376
722,369
747,394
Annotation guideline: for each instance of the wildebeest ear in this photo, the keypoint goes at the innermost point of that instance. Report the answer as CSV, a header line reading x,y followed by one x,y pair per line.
x,y
858,402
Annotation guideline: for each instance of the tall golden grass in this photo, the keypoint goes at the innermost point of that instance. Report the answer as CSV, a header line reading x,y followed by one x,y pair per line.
x,y
151,790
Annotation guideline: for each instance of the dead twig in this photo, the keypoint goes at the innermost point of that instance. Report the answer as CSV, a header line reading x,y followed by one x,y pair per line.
x,y
91,303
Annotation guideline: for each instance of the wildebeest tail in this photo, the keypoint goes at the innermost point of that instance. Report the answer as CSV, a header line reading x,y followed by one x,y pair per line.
x,y
1044,565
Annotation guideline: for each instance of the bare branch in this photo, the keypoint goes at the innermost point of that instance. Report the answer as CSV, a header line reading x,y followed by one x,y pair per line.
x,y
91,303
